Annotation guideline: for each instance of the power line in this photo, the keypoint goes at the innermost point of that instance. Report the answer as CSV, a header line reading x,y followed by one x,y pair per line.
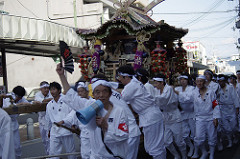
x,y
16,60
217,30
212,12
27,9
193,21
215,25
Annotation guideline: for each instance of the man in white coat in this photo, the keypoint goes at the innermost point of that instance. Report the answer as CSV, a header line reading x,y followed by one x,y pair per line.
x,y
42,96
57,112
150,116
167,101
143,76
82,89
109,130
209,82
134,132
207,114
238,92
6,136
185,98
229,108
17,95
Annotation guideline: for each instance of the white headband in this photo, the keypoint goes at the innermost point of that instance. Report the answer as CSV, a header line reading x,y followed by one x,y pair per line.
x,y
183,76
113,85
124,74
139,74
201,77
44,85
94,80
237,73
83,85
207,71
221,78
159,79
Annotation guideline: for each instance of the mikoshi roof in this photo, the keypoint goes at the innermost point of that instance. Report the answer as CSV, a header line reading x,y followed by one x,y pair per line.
x,y
129,24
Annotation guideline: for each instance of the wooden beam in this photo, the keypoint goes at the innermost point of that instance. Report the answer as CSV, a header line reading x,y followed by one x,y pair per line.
x,y
27,108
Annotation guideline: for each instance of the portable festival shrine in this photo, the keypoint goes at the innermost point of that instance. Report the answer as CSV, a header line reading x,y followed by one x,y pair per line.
x,y
132,37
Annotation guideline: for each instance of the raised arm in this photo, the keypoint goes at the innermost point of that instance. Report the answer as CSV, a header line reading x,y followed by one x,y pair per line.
x,y
63,78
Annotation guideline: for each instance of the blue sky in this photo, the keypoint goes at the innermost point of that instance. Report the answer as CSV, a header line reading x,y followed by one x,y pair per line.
x,y
209,21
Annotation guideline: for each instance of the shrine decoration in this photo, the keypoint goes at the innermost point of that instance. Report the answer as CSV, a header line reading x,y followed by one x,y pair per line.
x,y
181,59
141,51
84,61
158,64
96,53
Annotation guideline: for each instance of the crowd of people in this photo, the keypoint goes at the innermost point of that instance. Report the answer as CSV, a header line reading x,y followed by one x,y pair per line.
x,y
191,119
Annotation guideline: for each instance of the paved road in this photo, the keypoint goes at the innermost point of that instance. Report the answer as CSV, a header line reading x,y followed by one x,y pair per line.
x,y
35,148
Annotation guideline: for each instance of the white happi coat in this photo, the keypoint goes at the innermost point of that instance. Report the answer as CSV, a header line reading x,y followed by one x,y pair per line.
x,y
213,86
77,104
59,137
150,88
134,132
133,127
42,122
205,114
6,137
115,138
228,102
238,93
150,117
55,112
203,107
185,99
168,103
41,115
142,103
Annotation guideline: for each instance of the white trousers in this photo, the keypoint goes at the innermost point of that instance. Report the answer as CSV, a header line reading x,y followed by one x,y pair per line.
x,y
228,124
56,144
45,139
133,144
6,146
188,128
205,130
85,148
154,140
18,151
173,132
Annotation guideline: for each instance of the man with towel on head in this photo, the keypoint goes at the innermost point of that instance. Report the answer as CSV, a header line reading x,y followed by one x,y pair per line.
x,y
229,108
150,116
185,99
209,81
167,101
109,129
134,132
42,96
58,112
207,114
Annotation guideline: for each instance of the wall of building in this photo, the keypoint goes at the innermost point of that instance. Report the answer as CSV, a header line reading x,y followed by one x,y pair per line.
x,y
29,71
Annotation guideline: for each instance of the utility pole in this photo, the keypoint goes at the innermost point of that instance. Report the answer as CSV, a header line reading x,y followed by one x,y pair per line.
x,y
75,13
